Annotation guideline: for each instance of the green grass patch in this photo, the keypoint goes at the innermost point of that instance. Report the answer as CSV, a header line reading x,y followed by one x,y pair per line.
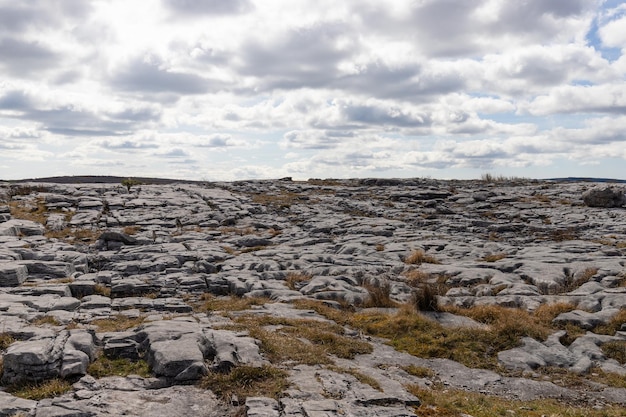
x,y
104,366
38,391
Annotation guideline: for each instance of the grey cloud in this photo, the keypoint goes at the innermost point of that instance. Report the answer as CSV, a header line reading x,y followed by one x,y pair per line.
x,y
24,58
409,82
126,145
375,115
193,8
146,77
216,141
67,120
304,57
17,16
310,140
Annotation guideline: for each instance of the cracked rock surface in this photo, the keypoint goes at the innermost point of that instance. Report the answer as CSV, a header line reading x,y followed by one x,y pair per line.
x,y
74,257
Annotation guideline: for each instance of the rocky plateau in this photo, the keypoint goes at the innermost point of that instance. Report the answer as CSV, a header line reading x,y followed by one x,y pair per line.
x,y
74,257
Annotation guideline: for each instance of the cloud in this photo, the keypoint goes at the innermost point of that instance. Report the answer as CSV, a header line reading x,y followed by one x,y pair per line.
x,y
607,98
152,76
198,8
20,58
74,120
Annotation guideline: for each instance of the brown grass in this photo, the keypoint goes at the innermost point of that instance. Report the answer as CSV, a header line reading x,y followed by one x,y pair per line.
x,y
38,391
493,257
615,350
131,230
50,320
418,257
361,377
118,323
379,296
454,403
296,280
307,342
613,325
103,290
247,381
209,302
5,340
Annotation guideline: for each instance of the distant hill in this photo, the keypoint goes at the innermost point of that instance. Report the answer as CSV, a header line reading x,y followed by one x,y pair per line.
x,y
586,179
100,179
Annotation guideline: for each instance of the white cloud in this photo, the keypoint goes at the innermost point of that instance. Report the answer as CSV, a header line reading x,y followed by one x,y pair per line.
x,y
266,88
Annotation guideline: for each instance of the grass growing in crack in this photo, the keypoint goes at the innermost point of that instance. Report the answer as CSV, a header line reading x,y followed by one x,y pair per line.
x,y
419,371
296,280
361,377
104,366
379,296
5,340
418,257
493,257
453,403
411,332
613,325
209,302
306,342
247,381
101,289
52,321
38,391
118,323
615,350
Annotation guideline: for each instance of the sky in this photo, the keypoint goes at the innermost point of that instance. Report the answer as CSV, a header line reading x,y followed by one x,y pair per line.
x,y
220,90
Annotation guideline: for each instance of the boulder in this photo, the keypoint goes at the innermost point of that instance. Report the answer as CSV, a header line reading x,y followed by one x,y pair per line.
x,y
12,274
604,197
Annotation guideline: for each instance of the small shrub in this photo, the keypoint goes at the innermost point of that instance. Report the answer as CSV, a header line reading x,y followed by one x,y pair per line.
x,y
247,381
418,257
130,182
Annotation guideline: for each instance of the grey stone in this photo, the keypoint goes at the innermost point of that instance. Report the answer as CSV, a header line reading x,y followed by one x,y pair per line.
x,y
12,274
604,197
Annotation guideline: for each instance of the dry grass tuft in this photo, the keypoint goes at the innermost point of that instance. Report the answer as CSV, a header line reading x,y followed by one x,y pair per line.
x,y
308,342
131,230
209,302
50,320
418,257
38,391
361,377
493,257
615,350
118,323
103,290
296,280
379,296
5,340
247,381
454,403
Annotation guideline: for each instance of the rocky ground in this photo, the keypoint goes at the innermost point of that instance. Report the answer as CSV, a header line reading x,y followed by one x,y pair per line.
x,y
150,273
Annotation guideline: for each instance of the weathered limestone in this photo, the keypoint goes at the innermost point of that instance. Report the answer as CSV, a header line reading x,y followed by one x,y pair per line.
x,y
512,245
